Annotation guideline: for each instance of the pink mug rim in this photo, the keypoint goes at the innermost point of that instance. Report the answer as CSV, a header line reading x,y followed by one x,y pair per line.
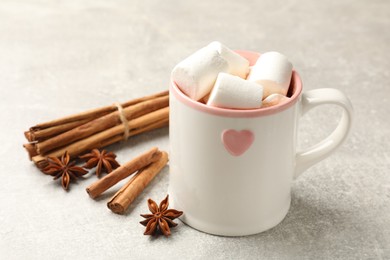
x,y
296,83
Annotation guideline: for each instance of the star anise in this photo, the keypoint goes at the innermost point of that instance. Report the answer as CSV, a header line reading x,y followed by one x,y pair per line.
x,y
105,161
161,218
63,168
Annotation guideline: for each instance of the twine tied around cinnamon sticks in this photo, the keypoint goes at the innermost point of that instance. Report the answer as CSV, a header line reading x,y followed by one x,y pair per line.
x,y
123,118
96,128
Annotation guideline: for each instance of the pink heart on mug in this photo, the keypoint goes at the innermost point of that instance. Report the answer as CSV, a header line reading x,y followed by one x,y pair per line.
x,y
237,142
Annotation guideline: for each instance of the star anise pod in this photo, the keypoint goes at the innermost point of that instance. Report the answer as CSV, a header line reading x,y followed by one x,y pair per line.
x,y
105,161
161,217
63,168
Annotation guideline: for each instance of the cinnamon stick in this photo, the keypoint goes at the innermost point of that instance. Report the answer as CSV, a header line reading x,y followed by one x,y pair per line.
x,y
102,123
155,125
129,192
43,134
125,170
136,126
30,148
141,99
36,132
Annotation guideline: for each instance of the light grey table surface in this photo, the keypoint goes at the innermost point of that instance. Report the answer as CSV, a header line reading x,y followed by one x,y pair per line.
x,y
63,57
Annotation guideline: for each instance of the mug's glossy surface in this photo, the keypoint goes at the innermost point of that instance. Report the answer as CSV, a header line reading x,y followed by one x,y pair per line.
x,y
226,189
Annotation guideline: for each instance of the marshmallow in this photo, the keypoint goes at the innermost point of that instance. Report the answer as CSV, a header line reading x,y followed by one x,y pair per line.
x,y
274,99
238,65
234,92
205,98
196,75
273,71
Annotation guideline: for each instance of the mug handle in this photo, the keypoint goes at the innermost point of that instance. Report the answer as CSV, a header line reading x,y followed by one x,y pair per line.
x,y
318,152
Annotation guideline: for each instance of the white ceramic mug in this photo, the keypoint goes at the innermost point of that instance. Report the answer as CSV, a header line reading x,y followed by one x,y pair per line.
x,y
231,171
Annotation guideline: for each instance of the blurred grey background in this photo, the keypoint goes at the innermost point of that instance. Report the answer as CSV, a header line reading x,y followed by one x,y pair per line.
x,y
62,57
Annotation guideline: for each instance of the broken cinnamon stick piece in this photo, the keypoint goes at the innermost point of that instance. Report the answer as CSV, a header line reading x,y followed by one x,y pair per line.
x,y
125,170
120,202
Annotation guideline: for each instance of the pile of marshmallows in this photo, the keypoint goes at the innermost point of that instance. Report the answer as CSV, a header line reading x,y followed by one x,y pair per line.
x,y
219,77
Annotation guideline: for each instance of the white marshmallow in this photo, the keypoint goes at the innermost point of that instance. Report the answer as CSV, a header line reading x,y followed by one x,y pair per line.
x,y
274,99
273,71
238,65
205,98
196,74
234,92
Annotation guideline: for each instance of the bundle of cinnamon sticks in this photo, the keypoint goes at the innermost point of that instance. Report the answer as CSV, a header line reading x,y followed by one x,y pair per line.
x,y
96,128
